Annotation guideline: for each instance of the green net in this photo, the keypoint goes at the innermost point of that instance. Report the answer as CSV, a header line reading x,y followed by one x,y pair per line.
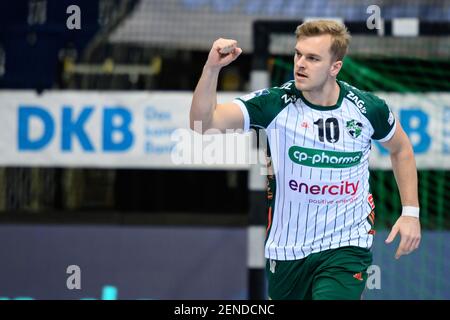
x,y
397,74
384,74
433,198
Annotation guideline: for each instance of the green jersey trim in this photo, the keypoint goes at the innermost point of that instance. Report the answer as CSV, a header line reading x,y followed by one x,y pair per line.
x,y
389,135
244,113
262,106
325,108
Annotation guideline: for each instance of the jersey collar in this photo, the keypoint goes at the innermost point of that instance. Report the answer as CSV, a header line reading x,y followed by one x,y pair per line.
x,y
325,108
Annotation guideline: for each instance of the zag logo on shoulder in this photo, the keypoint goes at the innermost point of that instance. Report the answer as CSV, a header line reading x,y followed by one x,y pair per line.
x,y
354,128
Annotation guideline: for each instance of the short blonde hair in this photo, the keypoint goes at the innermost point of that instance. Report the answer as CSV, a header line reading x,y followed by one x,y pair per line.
x,y
338,32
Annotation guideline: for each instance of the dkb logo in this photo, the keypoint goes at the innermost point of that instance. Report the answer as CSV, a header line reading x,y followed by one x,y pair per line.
x,y
114,128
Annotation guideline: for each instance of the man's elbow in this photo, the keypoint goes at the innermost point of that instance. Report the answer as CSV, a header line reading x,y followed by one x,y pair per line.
x,y
404,151
198,125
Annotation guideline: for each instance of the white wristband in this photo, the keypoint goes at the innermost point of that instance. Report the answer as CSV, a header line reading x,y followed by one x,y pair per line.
x,y
410,211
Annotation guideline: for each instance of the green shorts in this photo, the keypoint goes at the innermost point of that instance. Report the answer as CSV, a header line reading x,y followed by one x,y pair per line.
x,y
335,274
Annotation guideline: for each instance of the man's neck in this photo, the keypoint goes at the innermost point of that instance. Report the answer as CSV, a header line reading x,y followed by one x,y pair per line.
x,y
326,96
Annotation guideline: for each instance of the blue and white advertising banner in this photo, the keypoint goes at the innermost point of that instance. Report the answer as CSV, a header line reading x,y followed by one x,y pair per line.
x,y
108,129
426,120
151,130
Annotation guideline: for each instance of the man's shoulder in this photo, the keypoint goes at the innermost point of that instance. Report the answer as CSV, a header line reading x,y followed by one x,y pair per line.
x,y
264,105
280,95
286,88
373,108
365,101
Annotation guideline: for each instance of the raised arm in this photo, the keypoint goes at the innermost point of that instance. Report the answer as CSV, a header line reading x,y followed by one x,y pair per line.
x,y
204,107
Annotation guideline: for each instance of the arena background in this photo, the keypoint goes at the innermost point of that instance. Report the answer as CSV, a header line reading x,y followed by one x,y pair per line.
x,y
98,169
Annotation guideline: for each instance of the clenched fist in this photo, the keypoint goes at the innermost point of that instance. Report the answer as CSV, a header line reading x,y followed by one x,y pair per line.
x,y
223,52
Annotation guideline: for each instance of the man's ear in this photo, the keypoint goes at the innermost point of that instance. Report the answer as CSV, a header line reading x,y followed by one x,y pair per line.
x,y
335,68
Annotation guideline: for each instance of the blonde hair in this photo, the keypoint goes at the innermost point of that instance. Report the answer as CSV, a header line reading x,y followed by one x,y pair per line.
x,y
338,32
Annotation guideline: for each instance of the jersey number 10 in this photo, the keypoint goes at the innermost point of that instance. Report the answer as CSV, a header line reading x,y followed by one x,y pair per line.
x,y
331,128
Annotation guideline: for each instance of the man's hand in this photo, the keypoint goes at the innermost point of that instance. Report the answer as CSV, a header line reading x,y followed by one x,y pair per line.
x,y
409,228
223,52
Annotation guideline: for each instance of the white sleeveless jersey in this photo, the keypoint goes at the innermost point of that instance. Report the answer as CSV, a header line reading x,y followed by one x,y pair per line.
x,y
318,196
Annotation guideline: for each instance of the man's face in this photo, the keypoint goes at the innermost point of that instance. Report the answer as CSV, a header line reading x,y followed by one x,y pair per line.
x,y
313,62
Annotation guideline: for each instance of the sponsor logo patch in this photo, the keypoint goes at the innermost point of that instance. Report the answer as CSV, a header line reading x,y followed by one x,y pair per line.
x,y
358,102
323,158
354,128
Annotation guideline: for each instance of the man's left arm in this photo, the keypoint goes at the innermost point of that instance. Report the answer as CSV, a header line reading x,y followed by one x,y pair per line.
x,y
405,172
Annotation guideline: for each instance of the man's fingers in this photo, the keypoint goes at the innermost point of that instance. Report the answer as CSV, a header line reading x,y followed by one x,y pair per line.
x,y
407,245
223,52
409,229
227,49
416,243
225,46
392,234
237,52
401,250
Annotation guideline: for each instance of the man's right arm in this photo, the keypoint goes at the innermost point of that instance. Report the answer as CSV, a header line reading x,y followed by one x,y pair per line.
x,y
204,107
